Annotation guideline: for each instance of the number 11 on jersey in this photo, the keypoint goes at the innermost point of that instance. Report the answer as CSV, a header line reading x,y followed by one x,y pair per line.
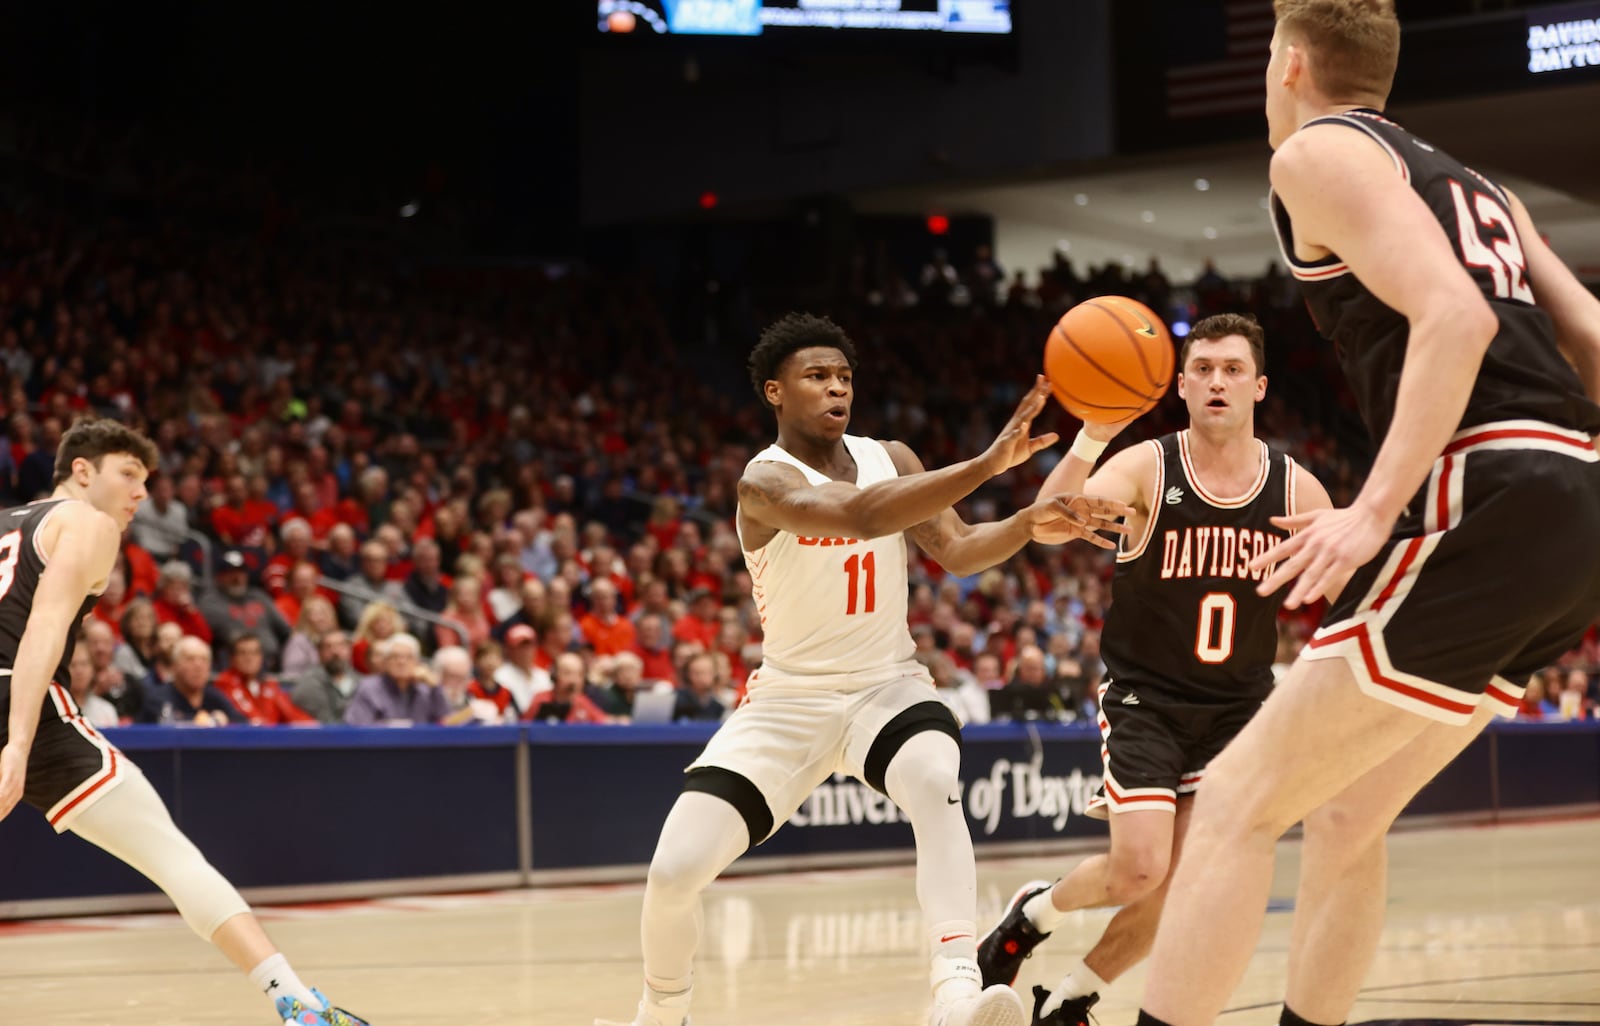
x,y
857,567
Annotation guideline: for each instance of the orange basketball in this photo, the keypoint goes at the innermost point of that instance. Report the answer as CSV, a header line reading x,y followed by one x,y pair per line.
x,y
1109,359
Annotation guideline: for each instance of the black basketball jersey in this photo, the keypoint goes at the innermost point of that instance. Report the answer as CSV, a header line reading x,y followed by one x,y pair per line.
x,y
1185,620
1523,377
21,563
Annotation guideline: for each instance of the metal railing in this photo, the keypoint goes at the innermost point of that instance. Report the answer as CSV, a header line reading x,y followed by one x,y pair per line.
x,y
404,608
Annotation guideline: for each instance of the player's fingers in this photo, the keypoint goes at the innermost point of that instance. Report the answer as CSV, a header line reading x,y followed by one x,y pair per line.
x,y
1278,552
1298,521
1043,442
1303,590
1098,506
1285,572
1099,542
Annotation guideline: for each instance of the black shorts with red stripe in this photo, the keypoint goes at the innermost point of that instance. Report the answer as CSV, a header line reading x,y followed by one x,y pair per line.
x,y
1156,748
71,764
1492,574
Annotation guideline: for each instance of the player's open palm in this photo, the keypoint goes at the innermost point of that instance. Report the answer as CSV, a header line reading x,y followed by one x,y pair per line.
x,y
13,771
1327,546
1014,445
1067,517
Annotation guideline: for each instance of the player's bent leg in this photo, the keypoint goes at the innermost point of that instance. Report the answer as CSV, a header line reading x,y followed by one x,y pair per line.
x,y
703,834
1125,943
922,776
1137,864
1343,873
1313,735
132,823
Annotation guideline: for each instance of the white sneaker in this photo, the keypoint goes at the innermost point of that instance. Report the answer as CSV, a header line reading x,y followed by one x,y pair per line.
x,y
997,1006
643,1018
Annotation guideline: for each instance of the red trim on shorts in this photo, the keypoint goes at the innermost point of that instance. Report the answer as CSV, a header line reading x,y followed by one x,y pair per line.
x,y
1444,492
1501,695
1120,800
1364,640
110,775
1496,435
1412,548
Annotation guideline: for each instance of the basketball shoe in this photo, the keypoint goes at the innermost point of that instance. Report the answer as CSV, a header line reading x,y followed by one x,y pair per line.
x,y
657,1009
294,1012
1072,1012
1004,948
994,1006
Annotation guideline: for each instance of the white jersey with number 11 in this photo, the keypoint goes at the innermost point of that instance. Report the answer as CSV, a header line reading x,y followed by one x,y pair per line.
x,y
832,606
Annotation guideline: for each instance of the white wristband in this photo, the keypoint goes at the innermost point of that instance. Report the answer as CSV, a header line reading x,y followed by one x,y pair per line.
x,y
1086,448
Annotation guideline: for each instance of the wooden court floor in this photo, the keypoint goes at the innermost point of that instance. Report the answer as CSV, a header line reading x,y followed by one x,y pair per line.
x,y
1487,924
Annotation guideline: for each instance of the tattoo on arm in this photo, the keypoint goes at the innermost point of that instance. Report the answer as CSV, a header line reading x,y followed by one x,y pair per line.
x,y
928,536
761,488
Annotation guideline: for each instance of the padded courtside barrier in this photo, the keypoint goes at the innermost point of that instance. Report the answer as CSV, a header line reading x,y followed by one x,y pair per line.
x,y
343,812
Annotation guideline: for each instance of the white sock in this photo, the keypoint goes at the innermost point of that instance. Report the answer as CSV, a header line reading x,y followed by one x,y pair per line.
x,y
276,979
1080,981
955,960
668,1000
1042,912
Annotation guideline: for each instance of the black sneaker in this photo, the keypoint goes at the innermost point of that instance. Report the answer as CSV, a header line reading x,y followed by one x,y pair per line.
x,y
1072,1012
1004,948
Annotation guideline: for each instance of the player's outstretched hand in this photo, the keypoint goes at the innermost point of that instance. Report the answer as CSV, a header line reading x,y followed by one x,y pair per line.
x,y
1014,445
1327,546
1068,517
13,771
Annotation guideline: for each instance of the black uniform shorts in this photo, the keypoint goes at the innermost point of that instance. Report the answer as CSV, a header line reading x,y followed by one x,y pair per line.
x,y
1156,748
71,764
1492,573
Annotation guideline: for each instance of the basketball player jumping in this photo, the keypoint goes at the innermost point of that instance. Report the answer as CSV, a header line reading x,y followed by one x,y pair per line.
x,y
1188,644
1473,543
821,519
55,556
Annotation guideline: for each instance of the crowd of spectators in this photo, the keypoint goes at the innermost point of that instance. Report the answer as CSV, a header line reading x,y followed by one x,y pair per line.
x,y
400,495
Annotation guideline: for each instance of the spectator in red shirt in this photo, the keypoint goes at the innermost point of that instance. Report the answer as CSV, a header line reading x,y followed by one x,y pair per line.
x,y
654,649
486,662
605,631
566,701
554,640
258,698
245,518
700,623
295,534
174,600
302,588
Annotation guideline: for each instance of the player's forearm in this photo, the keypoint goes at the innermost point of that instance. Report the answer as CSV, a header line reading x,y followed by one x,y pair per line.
x,y
1443,356
1070,475
889,507
984,545
37,655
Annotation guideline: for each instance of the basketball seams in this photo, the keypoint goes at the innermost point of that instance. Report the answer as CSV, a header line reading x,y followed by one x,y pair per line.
x,y
1143,397
1133,340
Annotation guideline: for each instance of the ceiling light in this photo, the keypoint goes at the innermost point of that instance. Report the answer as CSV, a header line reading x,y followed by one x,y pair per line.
x,y
1148,216
1210,232
1202,184
1081,199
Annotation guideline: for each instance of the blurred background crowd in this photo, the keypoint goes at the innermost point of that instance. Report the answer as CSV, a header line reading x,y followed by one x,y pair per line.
x,y
391,495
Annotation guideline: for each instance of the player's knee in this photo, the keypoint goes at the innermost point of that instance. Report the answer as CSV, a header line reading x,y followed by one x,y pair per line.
x,y
1345,833
683,871
1133,874
927,768
1240,800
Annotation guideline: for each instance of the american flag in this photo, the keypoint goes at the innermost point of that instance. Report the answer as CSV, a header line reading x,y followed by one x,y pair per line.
x,y
1229,73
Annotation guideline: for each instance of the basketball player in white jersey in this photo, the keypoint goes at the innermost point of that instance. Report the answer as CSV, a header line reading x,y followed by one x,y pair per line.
x,y
821,520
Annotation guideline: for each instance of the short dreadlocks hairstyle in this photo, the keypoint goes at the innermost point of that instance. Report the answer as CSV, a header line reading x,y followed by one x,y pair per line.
x,y
794,332
94,439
